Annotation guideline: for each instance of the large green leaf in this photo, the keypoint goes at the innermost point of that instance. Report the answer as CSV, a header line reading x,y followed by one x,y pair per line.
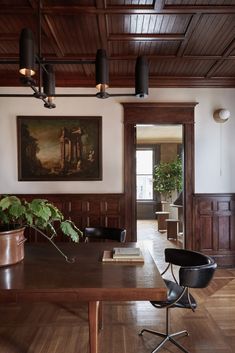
x,y
7,201
17,210
56,214
40,209
4,217
68,229
29,218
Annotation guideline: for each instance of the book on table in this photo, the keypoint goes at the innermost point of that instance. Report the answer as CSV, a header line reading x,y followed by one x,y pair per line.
x,y
126,252
123,255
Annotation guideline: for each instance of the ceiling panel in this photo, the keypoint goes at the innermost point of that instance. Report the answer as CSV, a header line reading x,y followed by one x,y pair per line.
x,y
226,69
151,24
8,47
181,67
13,23
10,68
129,2
69,2
143,48
199,2
212,36
75,34
81,69
14,2
188,43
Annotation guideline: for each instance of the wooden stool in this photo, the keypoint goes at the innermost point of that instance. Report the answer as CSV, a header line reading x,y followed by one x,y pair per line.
x,y
161,220
172,228
162,206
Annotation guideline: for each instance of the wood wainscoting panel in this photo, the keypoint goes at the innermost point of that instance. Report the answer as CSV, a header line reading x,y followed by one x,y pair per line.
x,y
214,226
206,227
85,210
224,232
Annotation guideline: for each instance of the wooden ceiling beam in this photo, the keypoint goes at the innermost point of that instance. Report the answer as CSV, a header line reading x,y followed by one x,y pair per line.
x,y
56,42
9,37
211,9
120,9
154,82
158,5
193,82
173,57
33,4
218,64
90,59
189,31
71,80
145,37
102,25
140,9
15,10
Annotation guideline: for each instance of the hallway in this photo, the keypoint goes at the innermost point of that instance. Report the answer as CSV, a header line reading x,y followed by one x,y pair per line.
x,y
156,241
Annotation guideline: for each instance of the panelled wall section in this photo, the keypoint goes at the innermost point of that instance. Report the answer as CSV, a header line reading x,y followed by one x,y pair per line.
x,y
214,226
213,219
85,210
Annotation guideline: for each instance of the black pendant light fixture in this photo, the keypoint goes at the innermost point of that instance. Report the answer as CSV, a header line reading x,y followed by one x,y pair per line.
x,y
27,53
44,88
102,73
49,85
141,77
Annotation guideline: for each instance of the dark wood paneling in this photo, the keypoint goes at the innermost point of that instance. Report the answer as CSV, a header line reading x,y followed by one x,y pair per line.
x,y
188,43
92,210
214,231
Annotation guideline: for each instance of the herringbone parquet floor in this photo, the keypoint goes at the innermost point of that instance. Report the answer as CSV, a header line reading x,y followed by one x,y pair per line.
x,y
62,328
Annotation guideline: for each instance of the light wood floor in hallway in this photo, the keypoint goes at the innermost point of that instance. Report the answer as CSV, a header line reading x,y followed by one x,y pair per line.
x,y
62,328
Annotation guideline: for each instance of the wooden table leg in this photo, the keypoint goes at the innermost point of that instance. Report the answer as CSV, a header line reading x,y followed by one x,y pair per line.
x,y
93,308
100,315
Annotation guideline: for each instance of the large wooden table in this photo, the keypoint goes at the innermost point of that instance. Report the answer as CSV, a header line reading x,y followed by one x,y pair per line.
x,y
45,276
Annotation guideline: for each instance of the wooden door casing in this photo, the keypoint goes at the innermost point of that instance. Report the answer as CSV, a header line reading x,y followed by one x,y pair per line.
x,y
158,113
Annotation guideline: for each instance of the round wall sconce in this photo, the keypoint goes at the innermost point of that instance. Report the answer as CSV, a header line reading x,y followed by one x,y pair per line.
x,y
221,115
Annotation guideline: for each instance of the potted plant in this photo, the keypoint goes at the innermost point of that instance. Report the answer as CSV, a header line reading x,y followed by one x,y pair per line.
x,y
167,178
39,214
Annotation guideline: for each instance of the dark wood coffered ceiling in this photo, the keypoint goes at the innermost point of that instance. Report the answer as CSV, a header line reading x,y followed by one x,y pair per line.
x,y
189,43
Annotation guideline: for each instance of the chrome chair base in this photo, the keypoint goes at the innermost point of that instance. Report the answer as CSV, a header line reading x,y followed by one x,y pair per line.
x,y
167,337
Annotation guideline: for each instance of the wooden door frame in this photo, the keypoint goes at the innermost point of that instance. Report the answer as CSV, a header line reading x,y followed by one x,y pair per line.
x,y
158,113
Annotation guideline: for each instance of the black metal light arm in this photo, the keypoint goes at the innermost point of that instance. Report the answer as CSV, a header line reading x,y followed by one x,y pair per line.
x,y
46,76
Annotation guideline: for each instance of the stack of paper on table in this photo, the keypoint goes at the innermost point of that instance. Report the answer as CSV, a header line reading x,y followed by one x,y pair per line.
x,y
123,255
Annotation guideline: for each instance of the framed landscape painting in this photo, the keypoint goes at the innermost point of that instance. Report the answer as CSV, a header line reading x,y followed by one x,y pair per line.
x,y
59,148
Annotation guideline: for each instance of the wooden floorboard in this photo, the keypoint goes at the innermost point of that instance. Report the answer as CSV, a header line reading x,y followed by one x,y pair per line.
x,y
63,328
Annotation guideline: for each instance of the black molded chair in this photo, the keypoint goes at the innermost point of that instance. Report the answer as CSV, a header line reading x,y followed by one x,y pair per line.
x,y
105,233
196,270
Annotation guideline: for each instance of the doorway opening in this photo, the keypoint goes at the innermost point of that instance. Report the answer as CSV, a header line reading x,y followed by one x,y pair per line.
x,y
159,183
158,113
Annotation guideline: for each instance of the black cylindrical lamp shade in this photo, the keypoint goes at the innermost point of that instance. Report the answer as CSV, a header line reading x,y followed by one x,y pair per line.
x,y
49,85
49,80
27,53
101,70
141,76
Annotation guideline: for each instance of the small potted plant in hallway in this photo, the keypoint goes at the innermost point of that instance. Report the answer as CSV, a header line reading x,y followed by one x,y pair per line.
x,y
17,214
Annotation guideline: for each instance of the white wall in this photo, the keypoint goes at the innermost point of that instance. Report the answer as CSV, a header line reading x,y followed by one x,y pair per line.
x,y
214,148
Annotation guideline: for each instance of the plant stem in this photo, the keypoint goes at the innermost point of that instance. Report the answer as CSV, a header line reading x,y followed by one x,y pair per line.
x,y
52,242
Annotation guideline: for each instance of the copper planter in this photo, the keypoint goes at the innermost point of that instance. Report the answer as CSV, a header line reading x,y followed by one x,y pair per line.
x,y
11,246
